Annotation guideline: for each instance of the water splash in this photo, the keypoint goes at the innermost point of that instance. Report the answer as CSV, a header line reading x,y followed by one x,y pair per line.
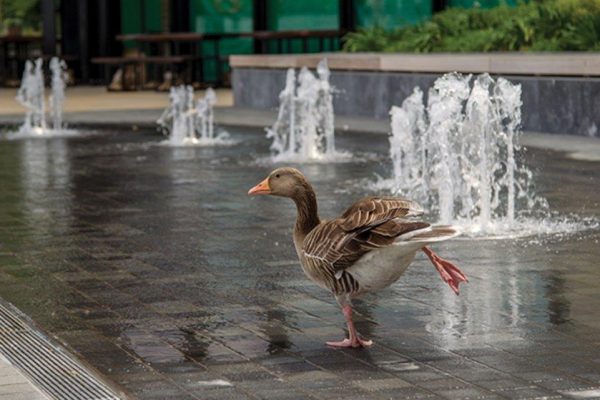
x,y
407,145
304,129
458,157
176,120
205,115
189,123
31,95
283,130
58,68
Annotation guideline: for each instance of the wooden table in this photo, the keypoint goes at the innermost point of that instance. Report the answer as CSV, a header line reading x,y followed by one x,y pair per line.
x,y
287,37
170,43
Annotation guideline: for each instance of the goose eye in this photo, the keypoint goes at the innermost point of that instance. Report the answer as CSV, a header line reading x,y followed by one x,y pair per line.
x,y
276,175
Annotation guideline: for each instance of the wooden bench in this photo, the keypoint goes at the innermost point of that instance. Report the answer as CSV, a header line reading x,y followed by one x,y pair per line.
x,y
136,62
14,51
287,37
170,42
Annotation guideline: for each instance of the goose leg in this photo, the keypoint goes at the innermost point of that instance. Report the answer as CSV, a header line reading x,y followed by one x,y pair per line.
x,y
449,272
354,340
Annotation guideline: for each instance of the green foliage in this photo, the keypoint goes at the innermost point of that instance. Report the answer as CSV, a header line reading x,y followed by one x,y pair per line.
x,y
543,25
25,13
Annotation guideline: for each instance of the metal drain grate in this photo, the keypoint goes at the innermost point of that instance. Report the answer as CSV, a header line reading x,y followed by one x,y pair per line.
x,y
49,366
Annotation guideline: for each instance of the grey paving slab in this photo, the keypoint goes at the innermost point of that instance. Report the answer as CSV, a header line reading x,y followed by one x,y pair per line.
x,y
153,265
15,386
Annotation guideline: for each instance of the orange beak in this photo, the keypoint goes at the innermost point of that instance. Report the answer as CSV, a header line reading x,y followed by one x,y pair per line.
x,y
261,188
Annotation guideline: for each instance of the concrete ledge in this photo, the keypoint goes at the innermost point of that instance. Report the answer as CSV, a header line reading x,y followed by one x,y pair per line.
x,y
553,104
554,64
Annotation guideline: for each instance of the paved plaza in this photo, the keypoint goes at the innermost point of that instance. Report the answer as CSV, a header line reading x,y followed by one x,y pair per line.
x,y
97,98
153,266
14,385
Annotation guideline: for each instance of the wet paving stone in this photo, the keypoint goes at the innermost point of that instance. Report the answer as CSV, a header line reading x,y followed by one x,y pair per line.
x,y
160,389
153,265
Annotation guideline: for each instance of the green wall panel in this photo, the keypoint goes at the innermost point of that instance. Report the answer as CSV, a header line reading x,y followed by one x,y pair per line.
x,y
131,17
288,15
153,16
391,13
480,3
131,11
222,16
217,16
285,15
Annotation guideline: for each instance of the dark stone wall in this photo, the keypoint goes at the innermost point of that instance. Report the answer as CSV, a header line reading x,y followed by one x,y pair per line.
x,y
550,104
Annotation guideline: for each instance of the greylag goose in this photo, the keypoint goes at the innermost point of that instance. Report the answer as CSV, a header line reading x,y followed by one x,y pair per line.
x,y
367,248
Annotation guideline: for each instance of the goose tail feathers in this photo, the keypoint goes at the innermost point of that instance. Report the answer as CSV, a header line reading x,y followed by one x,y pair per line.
x,y
432,234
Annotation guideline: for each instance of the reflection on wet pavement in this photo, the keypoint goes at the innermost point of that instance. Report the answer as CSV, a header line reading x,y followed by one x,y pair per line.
x,y
153,265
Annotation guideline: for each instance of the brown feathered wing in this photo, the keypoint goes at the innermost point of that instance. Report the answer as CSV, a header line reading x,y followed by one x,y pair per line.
x,y
370,223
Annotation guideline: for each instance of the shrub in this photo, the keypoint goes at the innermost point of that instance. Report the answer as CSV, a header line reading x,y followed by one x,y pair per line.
x,y
550,25
21,13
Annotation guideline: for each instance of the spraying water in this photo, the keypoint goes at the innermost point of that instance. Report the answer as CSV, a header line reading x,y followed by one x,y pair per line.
x,y
205,115
324,107
31,95
176,119
283,130
58,68
304,129
457,155
407,144
189,123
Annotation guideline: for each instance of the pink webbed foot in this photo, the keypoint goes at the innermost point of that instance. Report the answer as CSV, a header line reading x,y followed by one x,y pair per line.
x,y
354,341
347,343
449,272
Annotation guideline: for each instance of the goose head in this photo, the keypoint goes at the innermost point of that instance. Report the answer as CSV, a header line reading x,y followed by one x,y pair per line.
x,y
284,182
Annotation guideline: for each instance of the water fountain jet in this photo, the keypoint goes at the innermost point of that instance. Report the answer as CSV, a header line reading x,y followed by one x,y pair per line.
x,y
189,123
304,129
31,95
205,116
457,155
58,69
